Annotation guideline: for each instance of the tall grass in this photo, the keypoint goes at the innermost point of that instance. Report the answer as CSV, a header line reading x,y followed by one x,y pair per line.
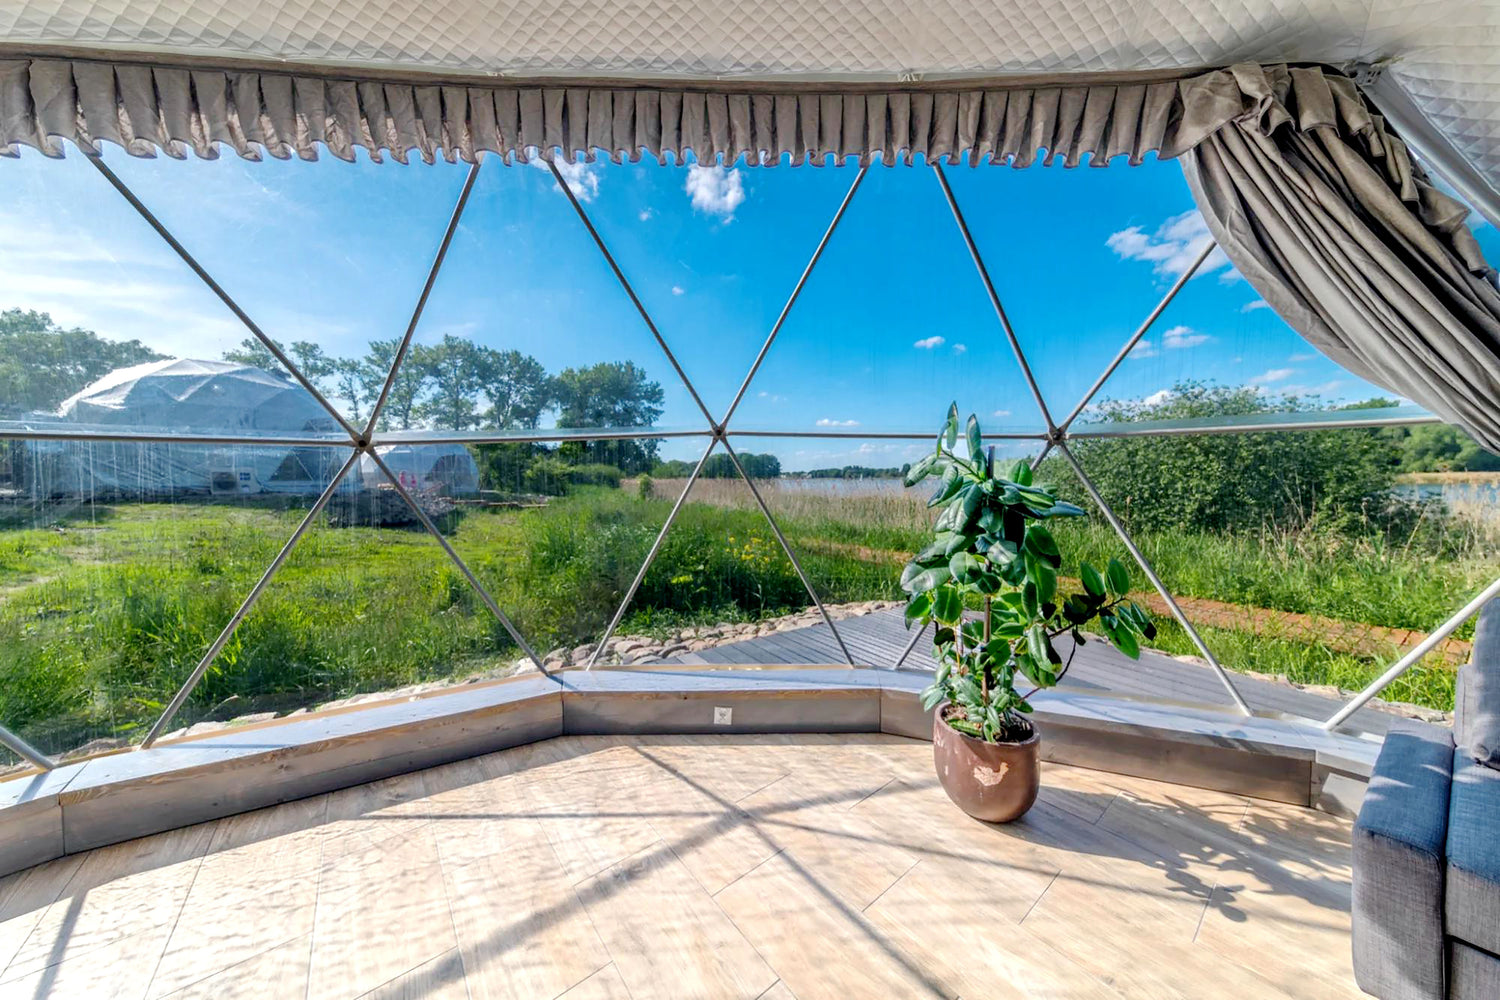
x,y
105,612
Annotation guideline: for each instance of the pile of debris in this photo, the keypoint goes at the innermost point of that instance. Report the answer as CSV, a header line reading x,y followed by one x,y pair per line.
x,y
383,507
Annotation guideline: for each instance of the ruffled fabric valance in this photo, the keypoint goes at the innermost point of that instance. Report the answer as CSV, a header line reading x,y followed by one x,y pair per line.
x,y
178,110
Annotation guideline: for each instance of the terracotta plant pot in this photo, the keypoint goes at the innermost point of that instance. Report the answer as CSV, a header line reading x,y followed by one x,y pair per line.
x,y
995,782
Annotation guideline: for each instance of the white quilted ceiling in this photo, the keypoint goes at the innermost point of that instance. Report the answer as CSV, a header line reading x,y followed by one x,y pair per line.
x,y
1445,53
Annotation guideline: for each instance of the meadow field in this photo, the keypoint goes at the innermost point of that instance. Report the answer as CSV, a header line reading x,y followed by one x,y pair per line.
x,y
105,609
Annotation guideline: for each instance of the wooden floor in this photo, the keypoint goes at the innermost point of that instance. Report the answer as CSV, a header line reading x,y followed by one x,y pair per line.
x,y
772,867
879,639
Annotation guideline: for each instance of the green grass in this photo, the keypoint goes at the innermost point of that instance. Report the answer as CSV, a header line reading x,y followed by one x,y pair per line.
x,y
104,613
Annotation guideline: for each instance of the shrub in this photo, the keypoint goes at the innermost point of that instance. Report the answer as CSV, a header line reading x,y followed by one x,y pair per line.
x,y
595,475
1339,479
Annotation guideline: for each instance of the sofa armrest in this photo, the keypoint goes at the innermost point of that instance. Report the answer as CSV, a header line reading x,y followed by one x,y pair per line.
x,y
1398,847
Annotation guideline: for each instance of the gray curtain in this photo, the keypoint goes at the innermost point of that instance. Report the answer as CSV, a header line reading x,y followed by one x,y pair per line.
x,y
181,110
1324,212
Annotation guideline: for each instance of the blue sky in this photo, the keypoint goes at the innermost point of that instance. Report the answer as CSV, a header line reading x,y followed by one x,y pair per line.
x,y
893,323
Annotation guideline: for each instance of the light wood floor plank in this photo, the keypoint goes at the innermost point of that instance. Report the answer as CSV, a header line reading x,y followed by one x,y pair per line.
x,y
255,890
133,891
595,807
521,929
820,946
605,984
668,937
280,972
31,892
440,979
381,913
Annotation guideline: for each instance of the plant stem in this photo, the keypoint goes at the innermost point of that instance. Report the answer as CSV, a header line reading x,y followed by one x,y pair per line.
x,y
984,673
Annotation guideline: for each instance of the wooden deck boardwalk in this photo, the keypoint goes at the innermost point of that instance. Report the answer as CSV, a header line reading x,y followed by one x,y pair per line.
x,y
878,640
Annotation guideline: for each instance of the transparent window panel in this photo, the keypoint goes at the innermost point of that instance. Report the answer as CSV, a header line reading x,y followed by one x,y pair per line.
x,y
714,252
528,328
327,257
846,511
720,587
559,532
367,607
1082,257
119,565
893,324
1294,553
104,329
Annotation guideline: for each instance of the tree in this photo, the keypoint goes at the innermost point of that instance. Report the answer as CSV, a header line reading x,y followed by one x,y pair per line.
x,y
255,353
457,369
404,404
1442,448
1220,482
721,466
42,364
517,388
613,394
314,365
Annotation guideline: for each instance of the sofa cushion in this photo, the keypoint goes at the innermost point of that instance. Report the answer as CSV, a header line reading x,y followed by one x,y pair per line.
x,y
1398,865
1476,708
1472,896
1472,974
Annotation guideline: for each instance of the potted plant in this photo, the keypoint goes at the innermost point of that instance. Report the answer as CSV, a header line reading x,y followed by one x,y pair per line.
x,y
988,582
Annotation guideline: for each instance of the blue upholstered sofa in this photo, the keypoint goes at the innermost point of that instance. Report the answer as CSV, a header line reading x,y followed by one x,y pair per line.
x,y
1426,906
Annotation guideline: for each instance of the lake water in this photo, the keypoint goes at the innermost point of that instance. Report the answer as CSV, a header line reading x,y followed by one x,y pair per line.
x,y
1485,495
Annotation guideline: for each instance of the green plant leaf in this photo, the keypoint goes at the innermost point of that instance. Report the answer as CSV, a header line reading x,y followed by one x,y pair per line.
x,y
1020,472
1124,640
932,695
947,604
920,469
1062,508
926,578
965,567
975,439
1092,581
1043,576
1118,578
1036,643
957,543
919,605
950,427
1040,541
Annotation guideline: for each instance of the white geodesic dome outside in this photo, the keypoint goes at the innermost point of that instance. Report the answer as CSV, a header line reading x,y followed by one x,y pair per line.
x,y
446,468
188,397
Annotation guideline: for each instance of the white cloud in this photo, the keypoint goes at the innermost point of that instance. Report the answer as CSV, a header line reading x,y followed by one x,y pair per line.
x,y
1252,306
826,422
715,190
645,214
770,397
1303,356
678,289
1274,375
1143,348
960,348
1000,413
582,180
928,343
1174,246
1182,337
1158,397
